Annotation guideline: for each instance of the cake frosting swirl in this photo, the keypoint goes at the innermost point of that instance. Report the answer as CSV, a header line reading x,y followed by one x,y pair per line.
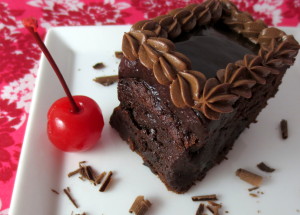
x,y
150,41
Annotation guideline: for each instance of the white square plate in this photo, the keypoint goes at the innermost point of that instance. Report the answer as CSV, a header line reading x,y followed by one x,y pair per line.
x,y
42,167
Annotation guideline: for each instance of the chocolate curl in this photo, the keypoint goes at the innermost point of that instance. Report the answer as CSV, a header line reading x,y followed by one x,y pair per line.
x,y
249,177
140,206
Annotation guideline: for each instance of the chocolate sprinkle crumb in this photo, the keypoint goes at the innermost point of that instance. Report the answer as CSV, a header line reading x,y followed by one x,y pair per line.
x,y
263,167
54,191
253,188
68,193
212,197
106,182
284,129
99,65
140,206
106,80
249,177
200,209
118,54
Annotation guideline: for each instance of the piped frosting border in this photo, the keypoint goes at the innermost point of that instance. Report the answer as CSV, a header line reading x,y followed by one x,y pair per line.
x,y
150,41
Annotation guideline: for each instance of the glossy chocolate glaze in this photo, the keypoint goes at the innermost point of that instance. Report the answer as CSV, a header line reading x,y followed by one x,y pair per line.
x,y
211,49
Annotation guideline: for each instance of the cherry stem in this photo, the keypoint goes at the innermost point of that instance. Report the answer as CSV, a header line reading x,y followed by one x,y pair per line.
x,y
31,25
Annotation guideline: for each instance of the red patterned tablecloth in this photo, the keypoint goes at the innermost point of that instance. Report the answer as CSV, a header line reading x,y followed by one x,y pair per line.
x,y
19,55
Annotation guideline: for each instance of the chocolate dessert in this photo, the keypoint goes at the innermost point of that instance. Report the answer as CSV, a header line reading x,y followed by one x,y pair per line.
x,y
191,81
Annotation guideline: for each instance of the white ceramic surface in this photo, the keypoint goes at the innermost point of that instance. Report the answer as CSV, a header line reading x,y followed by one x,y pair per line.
x,y
42,167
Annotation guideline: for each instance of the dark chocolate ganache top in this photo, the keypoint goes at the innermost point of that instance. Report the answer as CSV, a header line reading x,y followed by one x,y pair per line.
x,y
213,48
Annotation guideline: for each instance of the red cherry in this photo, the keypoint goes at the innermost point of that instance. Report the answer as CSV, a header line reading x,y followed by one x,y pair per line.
x,y
74,123
71,131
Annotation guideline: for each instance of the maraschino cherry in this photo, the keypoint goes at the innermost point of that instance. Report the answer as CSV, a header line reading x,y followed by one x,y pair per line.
x,y
75,123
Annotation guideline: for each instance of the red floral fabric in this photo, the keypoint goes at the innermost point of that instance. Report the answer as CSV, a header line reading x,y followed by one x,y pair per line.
x,y
19,55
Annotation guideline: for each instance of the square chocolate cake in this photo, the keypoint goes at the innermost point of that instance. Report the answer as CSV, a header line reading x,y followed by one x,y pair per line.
x,y
191,81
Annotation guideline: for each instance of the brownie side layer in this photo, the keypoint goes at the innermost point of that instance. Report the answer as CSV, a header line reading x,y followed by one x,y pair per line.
x,y
179,145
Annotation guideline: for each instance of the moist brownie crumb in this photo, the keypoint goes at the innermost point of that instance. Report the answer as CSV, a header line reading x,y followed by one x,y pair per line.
x,y
249,177
140,206
284,129
264,167
118,54
212,197
99,65
106,80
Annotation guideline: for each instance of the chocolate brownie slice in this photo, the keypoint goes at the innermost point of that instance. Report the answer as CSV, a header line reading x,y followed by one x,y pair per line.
x,y
191,81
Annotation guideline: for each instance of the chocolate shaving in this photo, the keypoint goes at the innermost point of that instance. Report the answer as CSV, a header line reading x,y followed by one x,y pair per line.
x,y
89,173
81,162
212,197
263,167
99,178
73,172
284,129
99,65
54,191
253,188
249,177
119,54
106,80
213,210
210,209
214,204
140,206
200,209
68,193
106,182
253,195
